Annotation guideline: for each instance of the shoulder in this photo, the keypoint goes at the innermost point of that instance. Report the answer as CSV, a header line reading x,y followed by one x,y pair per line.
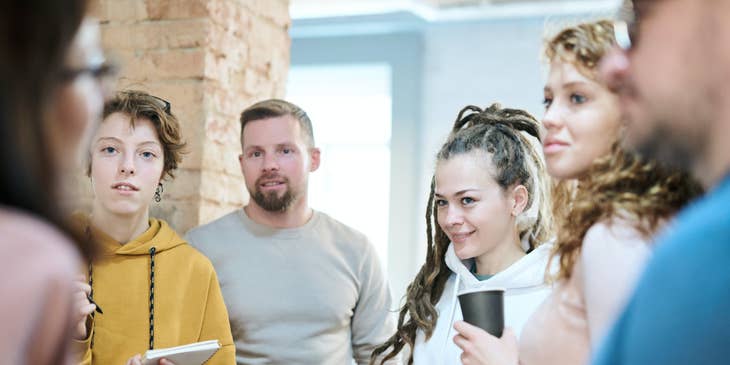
x,y
216,228
340,232
615,236
36,253
23,235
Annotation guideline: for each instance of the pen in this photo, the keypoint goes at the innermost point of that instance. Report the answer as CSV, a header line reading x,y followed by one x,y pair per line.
x,y
98,308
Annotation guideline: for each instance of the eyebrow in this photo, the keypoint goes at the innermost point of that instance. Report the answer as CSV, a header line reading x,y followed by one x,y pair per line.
x,y
278,145
458,193
117,140
568,84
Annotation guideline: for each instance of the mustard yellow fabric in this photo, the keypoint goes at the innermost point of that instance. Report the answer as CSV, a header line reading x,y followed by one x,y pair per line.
x,y
188,305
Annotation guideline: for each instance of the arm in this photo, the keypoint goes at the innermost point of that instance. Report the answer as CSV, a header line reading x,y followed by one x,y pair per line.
x,y
372,321
613,258
216,324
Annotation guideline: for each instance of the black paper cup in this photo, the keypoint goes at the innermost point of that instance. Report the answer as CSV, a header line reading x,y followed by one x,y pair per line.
x,y
484,309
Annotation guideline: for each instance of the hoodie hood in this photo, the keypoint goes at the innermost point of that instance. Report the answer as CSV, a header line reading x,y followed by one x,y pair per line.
x,y
159,235
525,274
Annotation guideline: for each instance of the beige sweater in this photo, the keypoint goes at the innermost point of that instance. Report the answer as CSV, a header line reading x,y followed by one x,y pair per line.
x,y
575,317
315,294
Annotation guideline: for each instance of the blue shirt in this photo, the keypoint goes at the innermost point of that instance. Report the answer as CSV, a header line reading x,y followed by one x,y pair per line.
x,y
680,312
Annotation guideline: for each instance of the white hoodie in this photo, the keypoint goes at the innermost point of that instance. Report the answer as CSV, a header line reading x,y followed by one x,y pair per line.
x,y
525,290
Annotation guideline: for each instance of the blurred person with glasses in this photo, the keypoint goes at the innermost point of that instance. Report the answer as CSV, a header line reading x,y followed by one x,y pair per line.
x,y
155,289
49,106
672,74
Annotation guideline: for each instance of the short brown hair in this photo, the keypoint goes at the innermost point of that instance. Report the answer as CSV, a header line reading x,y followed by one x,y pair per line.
x,y
273,108
139,104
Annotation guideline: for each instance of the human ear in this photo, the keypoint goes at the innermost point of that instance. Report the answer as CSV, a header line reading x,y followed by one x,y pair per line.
x,y
314,159
520,197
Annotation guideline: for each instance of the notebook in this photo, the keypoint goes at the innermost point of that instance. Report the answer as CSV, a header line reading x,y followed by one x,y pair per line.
x,y
191,354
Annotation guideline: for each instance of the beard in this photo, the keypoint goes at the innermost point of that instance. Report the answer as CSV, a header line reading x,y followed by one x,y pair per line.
x,y
271,202
669,150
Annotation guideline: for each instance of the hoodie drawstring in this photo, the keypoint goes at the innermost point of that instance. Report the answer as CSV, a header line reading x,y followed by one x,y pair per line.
x,y
152,297
91,296
454,303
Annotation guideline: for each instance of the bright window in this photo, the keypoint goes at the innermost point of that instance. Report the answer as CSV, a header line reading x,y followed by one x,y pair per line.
x,y
350,108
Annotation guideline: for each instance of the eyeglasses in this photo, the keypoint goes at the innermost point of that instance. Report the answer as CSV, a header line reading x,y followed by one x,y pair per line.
x,y
162,103
625,28
103,70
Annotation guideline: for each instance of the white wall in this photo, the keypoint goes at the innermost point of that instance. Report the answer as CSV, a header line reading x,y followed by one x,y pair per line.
x,y
439,66
478,64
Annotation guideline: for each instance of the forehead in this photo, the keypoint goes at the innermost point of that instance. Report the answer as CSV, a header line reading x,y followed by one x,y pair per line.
x,y
472,170
119,125
564,72
272,131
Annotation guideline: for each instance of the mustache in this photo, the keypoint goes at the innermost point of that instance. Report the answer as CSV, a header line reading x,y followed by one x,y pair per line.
x,y
267,177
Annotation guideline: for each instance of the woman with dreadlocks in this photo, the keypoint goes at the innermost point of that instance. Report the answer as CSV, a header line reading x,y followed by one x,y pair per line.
x,y
489,199
612,203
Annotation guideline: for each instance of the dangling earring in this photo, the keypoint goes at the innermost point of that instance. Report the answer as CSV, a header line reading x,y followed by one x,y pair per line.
x,y
158,192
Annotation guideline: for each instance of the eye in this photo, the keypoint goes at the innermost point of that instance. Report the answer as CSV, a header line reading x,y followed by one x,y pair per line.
x,y
147,155
441,203
467,200
577,99
109,150
286,150
256,154
547,102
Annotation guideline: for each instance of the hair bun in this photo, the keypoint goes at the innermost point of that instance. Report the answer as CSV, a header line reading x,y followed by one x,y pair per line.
x,y
516,119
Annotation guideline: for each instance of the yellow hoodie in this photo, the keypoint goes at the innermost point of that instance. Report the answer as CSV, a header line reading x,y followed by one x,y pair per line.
x,y
188,305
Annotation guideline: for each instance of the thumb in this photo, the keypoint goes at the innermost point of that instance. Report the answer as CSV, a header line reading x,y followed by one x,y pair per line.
x,y
509,333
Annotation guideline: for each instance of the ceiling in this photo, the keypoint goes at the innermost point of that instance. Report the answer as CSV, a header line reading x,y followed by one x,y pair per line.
x,y
446,10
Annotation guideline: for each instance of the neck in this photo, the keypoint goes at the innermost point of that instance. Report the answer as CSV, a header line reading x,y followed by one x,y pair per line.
x,y
297,215
500,257
122,228
716,163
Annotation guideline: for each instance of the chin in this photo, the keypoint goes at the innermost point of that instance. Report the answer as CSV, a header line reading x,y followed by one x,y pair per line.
x,y
125,209
464,252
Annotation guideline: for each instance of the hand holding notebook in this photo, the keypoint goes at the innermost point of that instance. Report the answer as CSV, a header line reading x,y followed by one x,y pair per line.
x,y
191,354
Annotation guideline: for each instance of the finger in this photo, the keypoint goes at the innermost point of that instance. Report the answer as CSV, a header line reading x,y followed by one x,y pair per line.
x,y
469,331
166,362
82,287
86,310
135,360
464,344
81,277
509,333
80,296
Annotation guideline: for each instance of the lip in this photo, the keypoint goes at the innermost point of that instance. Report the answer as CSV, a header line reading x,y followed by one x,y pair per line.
x,y
272,184
554,145
460,237
125,188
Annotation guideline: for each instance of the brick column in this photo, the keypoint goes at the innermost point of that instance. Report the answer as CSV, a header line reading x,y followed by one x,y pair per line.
x,y
210,59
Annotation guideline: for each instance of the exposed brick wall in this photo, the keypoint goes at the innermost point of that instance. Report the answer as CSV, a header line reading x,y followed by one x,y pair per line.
x,y
210,59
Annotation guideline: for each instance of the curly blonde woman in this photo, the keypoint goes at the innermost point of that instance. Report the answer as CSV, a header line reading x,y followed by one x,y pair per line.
x,y
609,204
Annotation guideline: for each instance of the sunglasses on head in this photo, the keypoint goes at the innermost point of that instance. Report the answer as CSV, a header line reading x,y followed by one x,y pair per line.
x,y
162,103
625,27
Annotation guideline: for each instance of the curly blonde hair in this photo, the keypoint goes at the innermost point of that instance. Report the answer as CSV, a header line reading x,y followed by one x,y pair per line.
x,y
621,182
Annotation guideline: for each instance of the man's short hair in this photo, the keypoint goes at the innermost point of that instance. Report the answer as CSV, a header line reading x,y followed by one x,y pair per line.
x,y
273,108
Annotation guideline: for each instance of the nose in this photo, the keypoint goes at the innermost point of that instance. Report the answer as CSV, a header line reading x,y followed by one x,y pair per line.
x,y
552,118
127,165
614,69
270,162
454,217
